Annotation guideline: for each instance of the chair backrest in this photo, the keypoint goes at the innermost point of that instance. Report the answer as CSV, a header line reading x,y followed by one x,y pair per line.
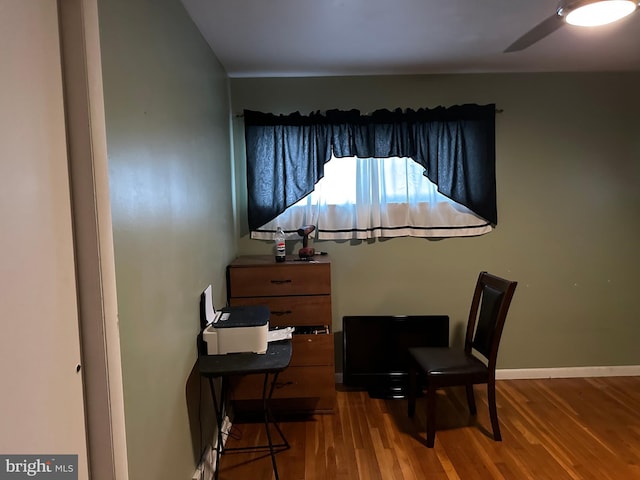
x,y
489,307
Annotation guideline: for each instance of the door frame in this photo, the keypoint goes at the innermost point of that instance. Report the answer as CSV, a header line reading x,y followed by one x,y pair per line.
x,y
93,239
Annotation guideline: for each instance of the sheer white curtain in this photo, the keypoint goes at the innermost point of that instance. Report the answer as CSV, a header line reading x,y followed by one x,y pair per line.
x,y
374,197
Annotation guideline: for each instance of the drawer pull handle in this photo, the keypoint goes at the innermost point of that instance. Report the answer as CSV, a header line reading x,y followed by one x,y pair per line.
x,y
279,313
280,282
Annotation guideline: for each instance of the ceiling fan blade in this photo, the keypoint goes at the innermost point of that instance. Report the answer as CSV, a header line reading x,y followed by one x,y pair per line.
x,y
544,28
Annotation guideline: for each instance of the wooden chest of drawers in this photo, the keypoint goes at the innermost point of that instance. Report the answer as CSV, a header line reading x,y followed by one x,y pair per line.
x,y
298,294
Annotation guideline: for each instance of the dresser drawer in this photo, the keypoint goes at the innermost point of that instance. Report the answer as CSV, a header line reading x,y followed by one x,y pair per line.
x,y
294,382
279,280
309,350
292,311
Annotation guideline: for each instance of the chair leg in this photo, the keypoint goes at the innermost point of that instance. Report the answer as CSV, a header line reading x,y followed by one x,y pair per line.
x,y
493,411
471,400
431,416
412,394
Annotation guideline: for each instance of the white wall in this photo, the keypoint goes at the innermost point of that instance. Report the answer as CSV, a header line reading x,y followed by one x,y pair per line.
x,y
41,405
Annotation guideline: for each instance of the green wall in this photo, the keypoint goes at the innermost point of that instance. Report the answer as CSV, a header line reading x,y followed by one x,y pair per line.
x,y
168,140
568,174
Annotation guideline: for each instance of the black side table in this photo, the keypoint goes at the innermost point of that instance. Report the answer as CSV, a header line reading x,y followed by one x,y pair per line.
x,y
271,364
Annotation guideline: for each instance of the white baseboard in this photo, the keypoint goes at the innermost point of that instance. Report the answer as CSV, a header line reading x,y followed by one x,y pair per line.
x,y
567,372
561,372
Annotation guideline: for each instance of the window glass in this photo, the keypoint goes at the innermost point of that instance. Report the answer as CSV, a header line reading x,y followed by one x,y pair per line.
x,y
375,197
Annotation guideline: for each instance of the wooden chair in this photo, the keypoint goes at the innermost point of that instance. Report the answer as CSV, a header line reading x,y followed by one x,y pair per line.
x,y
475,364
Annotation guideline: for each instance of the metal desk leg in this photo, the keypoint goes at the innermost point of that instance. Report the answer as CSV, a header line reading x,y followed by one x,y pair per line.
x,y
285,444
268,417
267,393
217,407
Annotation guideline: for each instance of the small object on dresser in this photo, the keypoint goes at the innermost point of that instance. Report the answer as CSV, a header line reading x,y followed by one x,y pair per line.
x,y
306,251
280,246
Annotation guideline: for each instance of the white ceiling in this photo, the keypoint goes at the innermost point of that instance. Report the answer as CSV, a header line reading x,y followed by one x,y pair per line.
x,y
275,38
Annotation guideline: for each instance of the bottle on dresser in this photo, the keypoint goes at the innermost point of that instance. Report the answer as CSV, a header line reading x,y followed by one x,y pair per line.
x,y
280,245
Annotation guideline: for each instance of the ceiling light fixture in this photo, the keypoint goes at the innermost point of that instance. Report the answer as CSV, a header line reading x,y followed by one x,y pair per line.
x,y
585,13
592,13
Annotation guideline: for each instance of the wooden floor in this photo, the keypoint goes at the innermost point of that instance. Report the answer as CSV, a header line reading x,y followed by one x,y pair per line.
x,y
555,429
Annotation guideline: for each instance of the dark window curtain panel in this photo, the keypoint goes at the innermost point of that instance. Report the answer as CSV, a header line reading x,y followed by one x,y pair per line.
x,y
285,159
383,134
457,150
286,153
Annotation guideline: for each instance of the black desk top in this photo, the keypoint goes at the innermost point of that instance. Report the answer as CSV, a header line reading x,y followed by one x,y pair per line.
x,y
276,359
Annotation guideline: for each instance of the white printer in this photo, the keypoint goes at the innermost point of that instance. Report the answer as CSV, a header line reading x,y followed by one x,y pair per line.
x,y
235,329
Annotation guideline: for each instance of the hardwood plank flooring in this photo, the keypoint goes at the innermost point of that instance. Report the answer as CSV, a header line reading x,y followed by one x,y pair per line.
x,y
580,429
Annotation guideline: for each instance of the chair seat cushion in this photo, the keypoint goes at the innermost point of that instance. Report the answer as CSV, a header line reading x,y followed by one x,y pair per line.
x,y
446,366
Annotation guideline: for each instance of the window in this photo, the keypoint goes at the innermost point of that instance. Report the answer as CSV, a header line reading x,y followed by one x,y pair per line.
x,y
385,158
375,197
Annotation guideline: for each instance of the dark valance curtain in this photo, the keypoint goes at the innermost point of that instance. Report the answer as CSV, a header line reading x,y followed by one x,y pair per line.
x,y
286,153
